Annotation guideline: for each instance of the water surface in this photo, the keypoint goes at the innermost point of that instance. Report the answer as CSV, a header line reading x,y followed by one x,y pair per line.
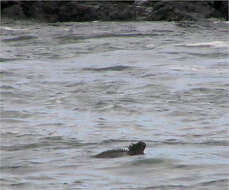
x,y
72,90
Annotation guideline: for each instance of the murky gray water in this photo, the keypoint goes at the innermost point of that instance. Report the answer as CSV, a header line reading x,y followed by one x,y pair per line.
x,y
72,90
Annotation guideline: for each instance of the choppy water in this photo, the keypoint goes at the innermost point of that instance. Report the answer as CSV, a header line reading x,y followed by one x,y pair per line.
x,y
72,90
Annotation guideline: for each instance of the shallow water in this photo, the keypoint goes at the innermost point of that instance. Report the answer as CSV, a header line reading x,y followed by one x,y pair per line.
x,y
72,90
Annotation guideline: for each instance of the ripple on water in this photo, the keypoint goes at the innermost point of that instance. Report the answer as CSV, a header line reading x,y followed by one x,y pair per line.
x,y
7,87
11,114
114,68
56,142
148,161
19,38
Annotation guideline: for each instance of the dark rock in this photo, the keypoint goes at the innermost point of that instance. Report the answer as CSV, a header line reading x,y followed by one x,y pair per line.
x,y
178,11
6,4
42,10
75,11
59,11
221,8
12,10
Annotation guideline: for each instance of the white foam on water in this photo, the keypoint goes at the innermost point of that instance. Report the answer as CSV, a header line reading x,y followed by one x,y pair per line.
x,y
214,44
11,29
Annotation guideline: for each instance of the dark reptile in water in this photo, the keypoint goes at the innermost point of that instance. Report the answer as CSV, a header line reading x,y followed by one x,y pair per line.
x,y
133,149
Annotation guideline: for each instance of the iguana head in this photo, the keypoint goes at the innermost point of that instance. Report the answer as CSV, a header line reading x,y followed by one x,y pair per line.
x,y
137,148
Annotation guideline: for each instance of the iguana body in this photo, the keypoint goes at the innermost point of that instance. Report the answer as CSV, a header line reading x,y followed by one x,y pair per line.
x,y
133,149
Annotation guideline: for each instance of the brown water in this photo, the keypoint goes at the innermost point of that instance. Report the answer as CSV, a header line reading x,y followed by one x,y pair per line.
x,y
72,90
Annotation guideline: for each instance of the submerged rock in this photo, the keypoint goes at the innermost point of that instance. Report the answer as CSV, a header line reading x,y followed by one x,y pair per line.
x,y
133,149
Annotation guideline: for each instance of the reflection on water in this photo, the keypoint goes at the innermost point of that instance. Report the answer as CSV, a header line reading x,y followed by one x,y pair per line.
x,y
72,90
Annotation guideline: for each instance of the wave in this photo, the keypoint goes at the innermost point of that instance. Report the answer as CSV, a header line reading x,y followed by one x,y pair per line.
x,y
214,44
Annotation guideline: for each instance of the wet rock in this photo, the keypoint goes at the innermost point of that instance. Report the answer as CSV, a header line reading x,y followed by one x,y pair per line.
x,y
180,10
59,11
221,8
75,11
12,9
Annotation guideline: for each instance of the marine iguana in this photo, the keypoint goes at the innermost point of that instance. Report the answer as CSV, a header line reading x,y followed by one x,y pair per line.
x,y
133,149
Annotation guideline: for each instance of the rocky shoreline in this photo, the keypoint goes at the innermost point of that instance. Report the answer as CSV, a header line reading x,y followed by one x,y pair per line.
x,y
131,10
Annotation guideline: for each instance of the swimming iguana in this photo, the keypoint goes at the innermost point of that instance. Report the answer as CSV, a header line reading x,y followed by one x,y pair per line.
x,y
133,149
